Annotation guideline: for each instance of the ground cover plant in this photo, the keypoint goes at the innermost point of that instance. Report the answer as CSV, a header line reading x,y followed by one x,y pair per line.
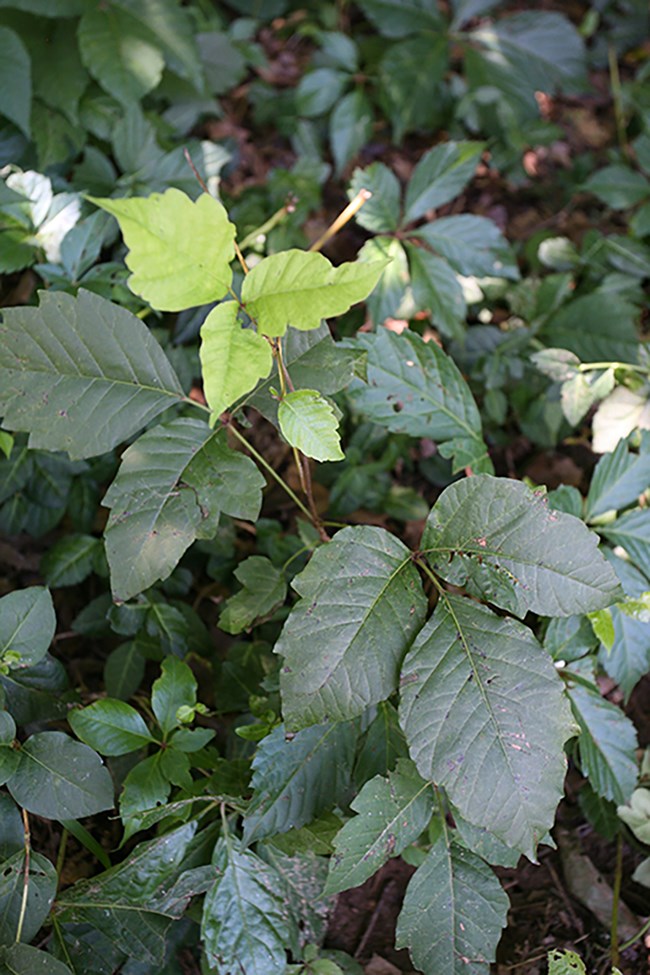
x,y
321,567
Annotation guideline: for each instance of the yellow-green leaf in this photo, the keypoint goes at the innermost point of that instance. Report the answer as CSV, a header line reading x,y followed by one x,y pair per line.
x,y
307,421
233,358
179,249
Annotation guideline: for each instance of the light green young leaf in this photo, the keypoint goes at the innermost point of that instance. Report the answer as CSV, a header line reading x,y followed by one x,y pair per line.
x,y
565,963
361,604
111,727
60,778
484,715
296,779
171,487
453,913
134,903
246,924
15,80
308,422
42,886
81,374
505,544
440,176
392,812
27,624
179,250
264,589
606,745
175,688
6,443
233,359
300,288
120,53
413,387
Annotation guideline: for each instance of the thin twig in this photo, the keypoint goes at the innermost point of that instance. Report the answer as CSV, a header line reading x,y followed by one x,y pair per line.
x,y
28,851
353,207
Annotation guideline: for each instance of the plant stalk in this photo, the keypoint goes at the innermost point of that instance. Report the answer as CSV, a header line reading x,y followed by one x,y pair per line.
x,y
344,216
28,854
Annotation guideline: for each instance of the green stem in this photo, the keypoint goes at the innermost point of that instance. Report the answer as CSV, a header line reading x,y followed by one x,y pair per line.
x,y
268,226
267,467
23,902
618,878
589,366
639,934
60,859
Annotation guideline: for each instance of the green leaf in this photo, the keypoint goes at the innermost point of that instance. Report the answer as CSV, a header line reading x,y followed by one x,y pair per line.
x,y
233,359
414,65
134,903
619,414
415,388
606,745
70,560
316,837
171,487
584,326
350,129
453,913
81,374
15,80
361,603
540,50
21,959
303,878
318,91
484,716
503,543
6,443
145,788
119,53
410,17
308,422
392,812
440,176
124,670
627,659
632,532
111,727
299,288
170,27
565,963
618,479
380,213
27,624
175,688
436,289
472,245
245,921
618,186
264,589
179,250
41,890
60,778
296,779
390,296
382,745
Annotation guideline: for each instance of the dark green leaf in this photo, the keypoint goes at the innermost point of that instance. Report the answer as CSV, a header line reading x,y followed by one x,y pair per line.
x,y
484,716
381,212
15,80
584,326
392,812
472,245
111,727
501,540
320,90
618,479
59,778
303,876
453,913
628,660
23,960
414,387
436,289
81,374
440,176
416,65
170,489
41,889
70,560
245,920
618,186
382,744
632,532
264,589
145,787
361,603
131,902
27,624
350,127
296,779
399,21
175,688
388,297
124,670
607,744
